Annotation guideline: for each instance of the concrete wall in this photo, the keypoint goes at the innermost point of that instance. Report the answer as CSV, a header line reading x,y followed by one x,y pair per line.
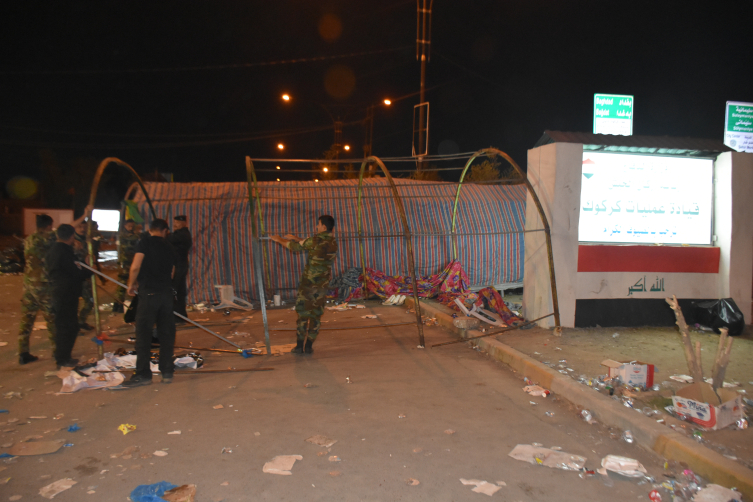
x,y
554,172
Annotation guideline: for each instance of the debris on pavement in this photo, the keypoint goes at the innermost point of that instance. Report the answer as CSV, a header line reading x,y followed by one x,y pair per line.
x,y
627,436
58,486
174,433
717,493
633,373
35,448
281,464
126,428
160,453
624,466
321,440
126,454
682,378
370,316
74,428
217,406
412,482
151,493
449,431
481,486
547,457
334,458
535,390
587,416
700,404
183,493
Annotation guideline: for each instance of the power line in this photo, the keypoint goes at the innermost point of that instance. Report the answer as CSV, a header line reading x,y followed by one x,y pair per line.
x,y
199,68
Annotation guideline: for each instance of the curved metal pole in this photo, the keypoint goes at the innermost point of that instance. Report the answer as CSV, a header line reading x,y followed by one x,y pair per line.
x,y
90,247
254,205
489,152
406,233
359,225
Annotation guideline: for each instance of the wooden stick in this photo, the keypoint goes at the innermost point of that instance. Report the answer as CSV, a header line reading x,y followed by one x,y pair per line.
x,y
722,359
698,358
693,366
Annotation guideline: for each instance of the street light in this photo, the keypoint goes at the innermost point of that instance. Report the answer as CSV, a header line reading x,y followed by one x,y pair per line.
x,y
336,123
387,102
346,147
280,146
278,167
326,169
286,97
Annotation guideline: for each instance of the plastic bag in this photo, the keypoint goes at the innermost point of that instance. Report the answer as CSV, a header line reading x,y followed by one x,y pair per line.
x,y
719,314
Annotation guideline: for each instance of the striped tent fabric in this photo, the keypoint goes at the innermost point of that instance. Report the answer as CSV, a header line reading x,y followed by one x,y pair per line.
x,y
220,221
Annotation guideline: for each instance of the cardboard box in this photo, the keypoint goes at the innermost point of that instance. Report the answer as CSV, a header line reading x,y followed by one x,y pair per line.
x,y
699,403
635,373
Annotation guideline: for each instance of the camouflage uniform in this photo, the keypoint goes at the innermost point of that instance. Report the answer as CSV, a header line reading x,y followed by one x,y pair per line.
x,y
36,289
81,249
126,250
312,291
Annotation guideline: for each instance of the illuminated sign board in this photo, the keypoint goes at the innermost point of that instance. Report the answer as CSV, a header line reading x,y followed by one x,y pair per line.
x,y
738,126
613,114
645,199
108,220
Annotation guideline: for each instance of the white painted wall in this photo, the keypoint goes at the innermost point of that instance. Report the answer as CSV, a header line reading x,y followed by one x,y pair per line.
x,y
59,216
554,172
733,227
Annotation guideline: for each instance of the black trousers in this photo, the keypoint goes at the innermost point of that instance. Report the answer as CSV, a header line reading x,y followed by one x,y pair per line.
x,y
181,290
65,308
155,308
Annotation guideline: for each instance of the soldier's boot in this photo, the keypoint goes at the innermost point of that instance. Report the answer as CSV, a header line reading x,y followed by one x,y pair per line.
x,y
309,349
298,347
26,357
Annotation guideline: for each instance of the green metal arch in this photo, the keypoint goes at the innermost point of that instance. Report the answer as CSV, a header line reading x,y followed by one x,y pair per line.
x,y
406,234
92,198
490,152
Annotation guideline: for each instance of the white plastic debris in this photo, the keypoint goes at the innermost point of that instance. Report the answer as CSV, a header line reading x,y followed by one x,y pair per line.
x,y
481,486
58,486
717,493
536,390
547,457
281,464
622,465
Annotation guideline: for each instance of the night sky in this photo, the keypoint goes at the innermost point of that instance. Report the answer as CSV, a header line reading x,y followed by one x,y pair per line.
x,y
190,88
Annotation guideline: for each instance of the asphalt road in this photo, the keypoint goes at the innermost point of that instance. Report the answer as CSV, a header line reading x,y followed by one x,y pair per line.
x,y
271,413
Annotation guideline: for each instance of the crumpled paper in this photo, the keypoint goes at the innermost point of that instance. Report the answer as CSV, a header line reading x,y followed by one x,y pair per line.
x,y
58,486
550,458
126,428
281,464
481,486
622,465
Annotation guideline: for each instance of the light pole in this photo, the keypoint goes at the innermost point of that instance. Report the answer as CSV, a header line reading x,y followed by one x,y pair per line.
x,y
423,53
368,143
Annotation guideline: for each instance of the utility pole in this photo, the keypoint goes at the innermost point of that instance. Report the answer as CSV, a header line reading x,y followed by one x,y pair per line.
x,y
423,53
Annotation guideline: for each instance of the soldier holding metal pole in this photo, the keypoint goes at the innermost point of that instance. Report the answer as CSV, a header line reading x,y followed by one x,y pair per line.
x,y
127,240
312,290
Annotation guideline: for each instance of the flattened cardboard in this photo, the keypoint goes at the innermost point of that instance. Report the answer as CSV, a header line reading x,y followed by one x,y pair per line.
x,y
35,448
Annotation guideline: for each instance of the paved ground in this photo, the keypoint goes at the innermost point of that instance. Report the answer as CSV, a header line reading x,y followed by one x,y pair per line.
x,y
452,387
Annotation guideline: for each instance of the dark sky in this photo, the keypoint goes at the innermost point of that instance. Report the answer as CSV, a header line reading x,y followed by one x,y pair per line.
x,y
153,83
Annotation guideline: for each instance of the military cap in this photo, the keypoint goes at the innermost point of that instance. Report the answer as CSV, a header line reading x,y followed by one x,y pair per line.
x,y
180,217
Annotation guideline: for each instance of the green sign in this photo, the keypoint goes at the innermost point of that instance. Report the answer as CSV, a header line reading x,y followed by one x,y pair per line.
x,y
613,114
738,126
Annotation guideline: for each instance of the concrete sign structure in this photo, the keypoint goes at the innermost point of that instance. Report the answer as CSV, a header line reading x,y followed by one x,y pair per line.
x,y
738,126
613,114
616,282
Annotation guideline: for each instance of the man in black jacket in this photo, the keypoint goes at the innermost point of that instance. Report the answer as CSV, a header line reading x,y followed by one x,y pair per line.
x,y
181,241
151,274
66,279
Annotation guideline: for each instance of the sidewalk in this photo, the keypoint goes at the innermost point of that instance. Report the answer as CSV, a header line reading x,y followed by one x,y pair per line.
x,y
725,457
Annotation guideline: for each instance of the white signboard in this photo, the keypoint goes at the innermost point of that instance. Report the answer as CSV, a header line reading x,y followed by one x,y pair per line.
x,y
738,126
108,220
613,114
645,199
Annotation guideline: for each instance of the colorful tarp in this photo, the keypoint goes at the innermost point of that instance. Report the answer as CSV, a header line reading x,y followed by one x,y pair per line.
x,y
219,219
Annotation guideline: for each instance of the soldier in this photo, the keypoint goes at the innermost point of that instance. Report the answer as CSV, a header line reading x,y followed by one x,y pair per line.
x,y
312,290
181,241
81,249
126,249
37,285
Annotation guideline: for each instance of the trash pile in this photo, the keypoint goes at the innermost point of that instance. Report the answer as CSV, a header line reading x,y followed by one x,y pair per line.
x,y
679,484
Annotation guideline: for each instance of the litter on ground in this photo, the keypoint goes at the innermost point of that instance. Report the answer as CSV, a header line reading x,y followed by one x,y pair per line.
x,y
321,440
624,466
281,464
547,457
58,486
481,486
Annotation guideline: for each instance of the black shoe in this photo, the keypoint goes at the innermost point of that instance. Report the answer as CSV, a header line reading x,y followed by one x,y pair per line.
x,y
25,357
167,378
135,381
298,348
117,308
70,363
85,326
309,349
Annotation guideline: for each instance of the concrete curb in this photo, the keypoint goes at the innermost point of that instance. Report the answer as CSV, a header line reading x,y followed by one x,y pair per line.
x,y
705,462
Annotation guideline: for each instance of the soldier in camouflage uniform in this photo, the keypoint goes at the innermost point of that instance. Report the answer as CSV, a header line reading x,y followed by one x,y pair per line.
x,y
127,240
81,249
37,285
312,290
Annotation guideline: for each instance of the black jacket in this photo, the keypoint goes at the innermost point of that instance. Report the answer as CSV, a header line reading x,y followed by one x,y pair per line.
x,y
181,241
65,277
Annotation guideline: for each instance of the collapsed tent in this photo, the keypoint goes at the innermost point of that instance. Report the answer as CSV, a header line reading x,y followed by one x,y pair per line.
x,y
488,230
